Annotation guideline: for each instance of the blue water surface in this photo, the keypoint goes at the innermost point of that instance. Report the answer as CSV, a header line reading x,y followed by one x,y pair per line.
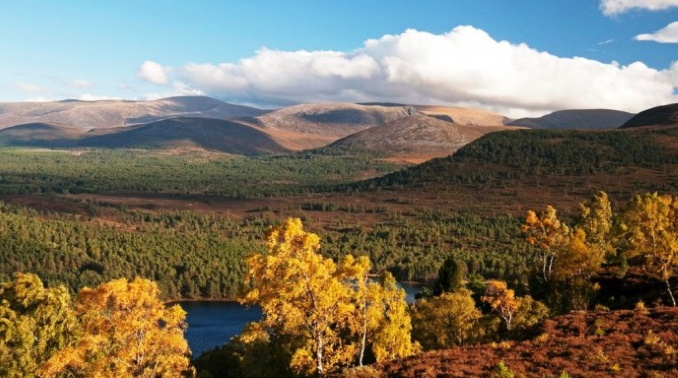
x,y
212,324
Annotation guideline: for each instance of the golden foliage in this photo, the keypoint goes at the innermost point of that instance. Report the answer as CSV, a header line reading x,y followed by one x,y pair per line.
x,y
334,310
35,322
445,321
302,293
547,234
502,300
650,229
128,332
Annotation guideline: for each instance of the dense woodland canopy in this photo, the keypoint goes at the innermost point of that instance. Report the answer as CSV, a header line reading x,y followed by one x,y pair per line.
x,y
192,254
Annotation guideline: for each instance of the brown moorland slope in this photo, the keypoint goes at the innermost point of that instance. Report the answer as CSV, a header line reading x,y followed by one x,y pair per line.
x,y
207,133
463,116
414,139
624,343
307,126
118,113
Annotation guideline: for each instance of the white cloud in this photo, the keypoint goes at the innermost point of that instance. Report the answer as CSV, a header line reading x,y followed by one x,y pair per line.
x,y
178,89
93,97
31,88
464,67
613,7
153,73
668,34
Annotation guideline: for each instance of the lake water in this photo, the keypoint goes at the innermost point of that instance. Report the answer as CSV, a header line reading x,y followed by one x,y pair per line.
x,y
212,324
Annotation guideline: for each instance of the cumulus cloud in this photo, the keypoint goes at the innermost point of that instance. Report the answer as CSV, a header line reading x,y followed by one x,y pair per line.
x,y
153,73
613,7
464,67
178,89
668,34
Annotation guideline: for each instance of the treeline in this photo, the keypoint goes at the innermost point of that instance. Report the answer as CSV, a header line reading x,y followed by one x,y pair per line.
x,y
190,255
92,171
515,155
201,255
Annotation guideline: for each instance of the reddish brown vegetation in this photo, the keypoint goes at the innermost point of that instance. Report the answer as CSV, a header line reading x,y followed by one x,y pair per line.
x,y
626,343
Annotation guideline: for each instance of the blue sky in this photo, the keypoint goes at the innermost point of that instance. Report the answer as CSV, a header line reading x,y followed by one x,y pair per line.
x,y
516,57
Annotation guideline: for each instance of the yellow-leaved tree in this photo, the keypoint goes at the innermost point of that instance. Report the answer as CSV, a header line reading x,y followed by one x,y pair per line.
x,y
35,322
650,228
336,311
302,294
127,332
596,221
445,321
548,234
516,312
502,300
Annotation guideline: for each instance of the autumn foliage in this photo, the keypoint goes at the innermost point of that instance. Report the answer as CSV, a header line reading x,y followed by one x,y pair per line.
x,y
118,329
332,311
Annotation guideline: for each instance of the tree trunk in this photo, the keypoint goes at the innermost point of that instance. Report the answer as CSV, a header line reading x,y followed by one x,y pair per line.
x,y
319,354
668,288
364,340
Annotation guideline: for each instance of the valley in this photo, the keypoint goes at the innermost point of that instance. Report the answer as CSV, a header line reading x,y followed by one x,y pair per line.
x,y
186,199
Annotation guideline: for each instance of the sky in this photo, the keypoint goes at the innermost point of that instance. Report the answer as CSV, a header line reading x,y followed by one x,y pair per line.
x,y
518,58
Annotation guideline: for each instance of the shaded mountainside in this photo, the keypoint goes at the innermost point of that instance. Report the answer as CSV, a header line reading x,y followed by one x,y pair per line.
x,y
309,126
666,115
538,167
205,133
37,134
621,343
415,138
118,113
576,119
210,134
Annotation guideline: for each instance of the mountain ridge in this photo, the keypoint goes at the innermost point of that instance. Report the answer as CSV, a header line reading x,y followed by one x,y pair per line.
x,y
593,119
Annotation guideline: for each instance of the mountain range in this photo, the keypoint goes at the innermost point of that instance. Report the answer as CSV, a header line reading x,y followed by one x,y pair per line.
x,y
406,132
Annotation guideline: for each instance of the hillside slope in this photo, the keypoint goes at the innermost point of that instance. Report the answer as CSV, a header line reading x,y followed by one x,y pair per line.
x,y
666,115
576,119
206,133
539,167
38,135
463,116
118,113
415,138
309,126
582,344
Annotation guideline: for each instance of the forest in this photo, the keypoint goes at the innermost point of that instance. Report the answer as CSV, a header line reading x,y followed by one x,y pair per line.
x,y
327,317
189,172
